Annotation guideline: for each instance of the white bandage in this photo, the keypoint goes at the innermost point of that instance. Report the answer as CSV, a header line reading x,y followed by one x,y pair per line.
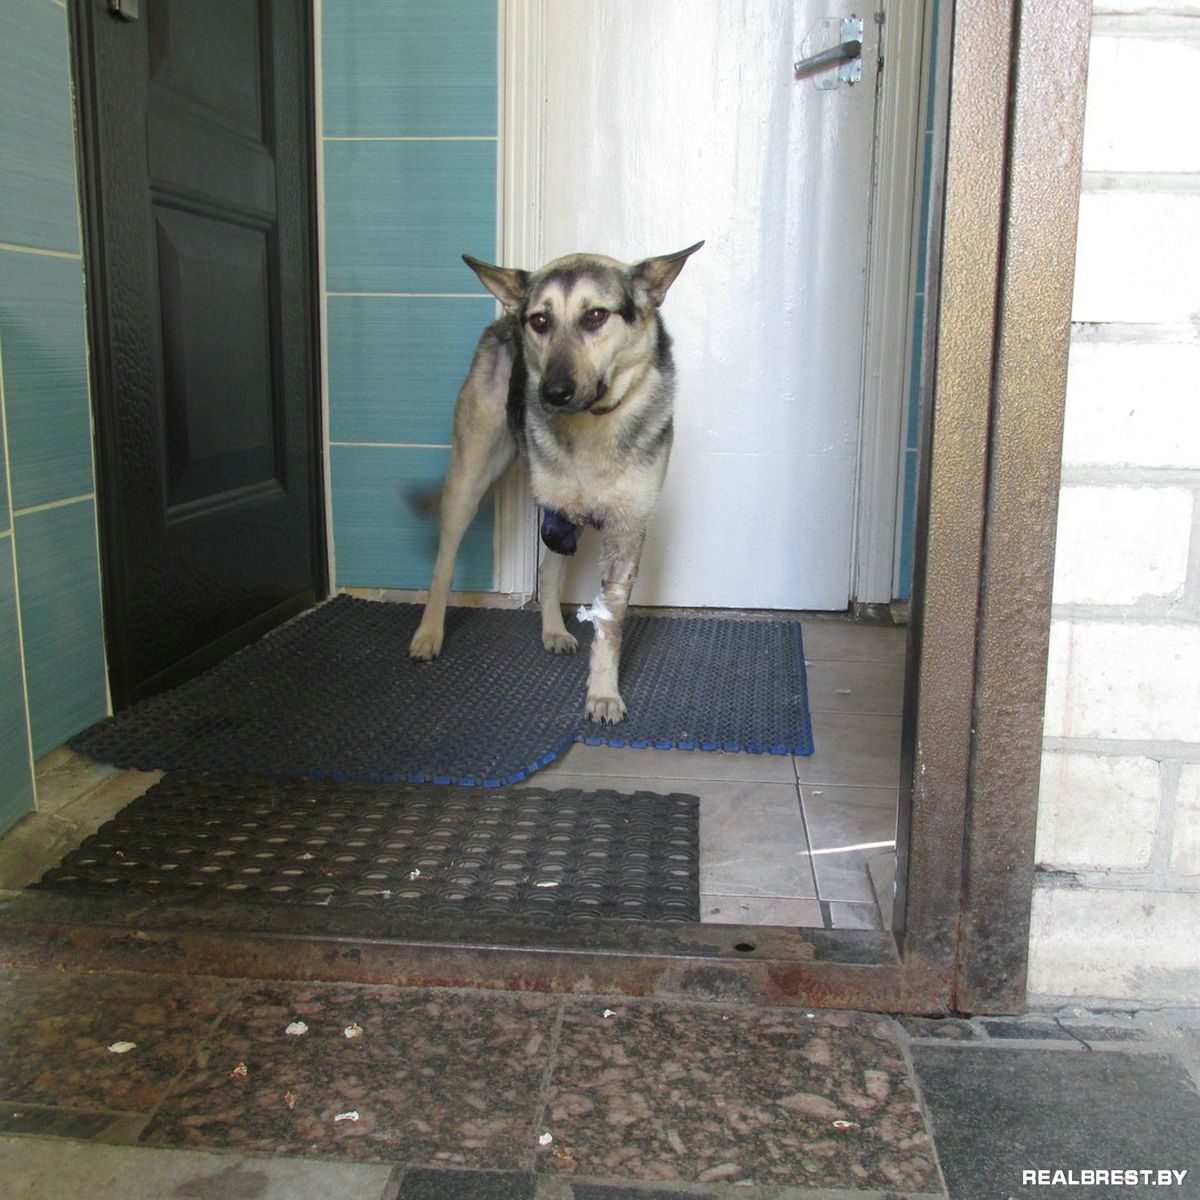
x,y
595,612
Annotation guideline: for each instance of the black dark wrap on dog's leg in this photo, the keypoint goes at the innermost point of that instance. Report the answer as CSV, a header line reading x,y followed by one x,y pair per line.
x,y
559,532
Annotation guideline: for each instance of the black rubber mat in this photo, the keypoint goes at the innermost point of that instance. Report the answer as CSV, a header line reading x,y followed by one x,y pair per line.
x,y
416,848
334,694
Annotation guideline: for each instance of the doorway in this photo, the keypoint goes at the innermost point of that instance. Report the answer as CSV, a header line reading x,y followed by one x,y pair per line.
x,y
794,344
1000,280
197,161
792,326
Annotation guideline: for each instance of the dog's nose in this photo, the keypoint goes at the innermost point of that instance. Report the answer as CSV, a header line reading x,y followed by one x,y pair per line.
x,y
557,392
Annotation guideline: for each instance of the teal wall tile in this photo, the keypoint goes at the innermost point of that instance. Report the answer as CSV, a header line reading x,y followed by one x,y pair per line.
x,y
923,223
16,775
60,617
409,67
5,514
38,200
908,508
913,424
380,540
396,364
904,572
931,88
45,377
399,215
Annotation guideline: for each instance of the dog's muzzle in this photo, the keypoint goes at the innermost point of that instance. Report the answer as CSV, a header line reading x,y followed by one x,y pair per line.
x,y
562,395
557,393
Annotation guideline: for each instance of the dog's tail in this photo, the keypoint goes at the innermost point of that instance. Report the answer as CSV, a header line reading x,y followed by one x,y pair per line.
x,y
424,501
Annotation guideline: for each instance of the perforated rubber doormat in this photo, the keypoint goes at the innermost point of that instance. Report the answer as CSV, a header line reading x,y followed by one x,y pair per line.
x,y
335,694
414,848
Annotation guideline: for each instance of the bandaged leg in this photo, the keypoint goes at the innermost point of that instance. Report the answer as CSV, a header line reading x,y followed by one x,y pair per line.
x,y
618,569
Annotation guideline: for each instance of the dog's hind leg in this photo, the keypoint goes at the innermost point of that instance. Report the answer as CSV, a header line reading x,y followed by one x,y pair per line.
x,y
618,569
474,467
555,637
483,447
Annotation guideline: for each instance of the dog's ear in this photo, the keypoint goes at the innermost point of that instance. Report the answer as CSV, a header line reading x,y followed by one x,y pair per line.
x,y
655,275
506,284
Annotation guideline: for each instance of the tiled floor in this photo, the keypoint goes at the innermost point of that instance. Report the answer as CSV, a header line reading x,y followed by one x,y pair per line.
x,y
785,840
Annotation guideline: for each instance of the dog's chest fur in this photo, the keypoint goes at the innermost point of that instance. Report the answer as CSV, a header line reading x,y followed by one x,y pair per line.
x,y
600,469
589,473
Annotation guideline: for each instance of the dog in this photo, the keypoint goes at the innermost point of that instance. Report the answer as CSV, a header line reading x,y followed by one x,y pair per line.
x,y
576,380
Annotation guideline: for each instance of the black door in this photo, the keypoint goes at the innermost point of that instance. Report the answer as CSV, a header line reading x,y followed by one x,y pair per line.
x,y
196,132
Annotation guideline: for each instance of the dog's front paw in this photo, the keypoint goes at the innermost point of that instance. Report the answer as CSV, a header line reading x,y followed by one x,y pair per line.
x,y
559,641
426,644
606,710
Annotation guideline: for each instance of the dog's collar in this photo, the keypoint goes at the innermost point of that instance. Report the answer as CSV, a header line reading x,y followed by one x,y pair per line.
x,y
603,412
602,392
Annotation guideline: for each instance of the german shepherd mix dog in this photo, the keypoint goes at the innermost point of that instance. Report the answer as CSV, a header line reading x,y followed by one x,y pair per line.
x,y
577,379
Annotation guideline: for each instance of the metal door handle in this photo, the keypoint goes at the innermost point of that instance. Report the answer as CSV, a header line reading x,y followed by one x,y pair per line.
x,y
846,56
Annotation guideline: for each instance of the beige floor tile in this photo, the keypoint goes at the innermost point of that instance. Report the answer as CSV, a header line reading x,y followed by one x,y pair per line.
x,y
881,866
845,915
716,909
752,842
32,846
845,826
845,641
40,839
853,750
63,776
856,687
614,763
103,803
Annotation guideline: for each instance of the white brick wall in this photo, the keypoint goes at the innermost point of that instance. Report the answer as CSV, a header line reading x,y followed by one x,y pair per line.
x,y
1117,901
1138,254
1185,846
1139,81
1132,404
1124,946
1120,545
1098,811
1125,679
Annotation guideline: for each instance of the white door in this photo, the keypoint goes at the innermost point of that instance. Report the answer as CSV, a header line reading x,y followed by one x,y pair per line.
x,y
669,121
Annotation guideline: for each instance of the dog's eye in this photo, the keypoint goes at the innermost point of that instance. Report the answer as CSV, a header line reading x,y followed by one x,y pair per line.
x,y
539,322
594,318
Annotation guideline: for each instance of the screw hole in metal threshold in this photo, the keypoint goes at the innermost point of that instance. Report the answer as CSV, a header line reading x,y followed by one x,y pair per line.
x,y
744,947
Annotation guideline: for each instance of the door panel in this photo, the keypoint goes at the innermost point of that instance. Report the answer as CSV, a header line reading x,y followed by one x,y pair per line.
x,y
197,157
672,121
219,416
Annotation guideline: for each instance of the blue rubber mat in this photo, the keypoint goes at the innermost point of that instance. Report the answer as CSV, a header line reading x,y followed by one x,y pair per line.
x,y
334,695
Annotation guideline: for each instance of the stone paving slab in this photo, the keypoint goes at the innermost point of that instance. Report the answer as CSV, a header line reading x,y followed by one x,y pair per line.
x,y
376,1073
60,1030
742,1097
469,1095
56,1169
999,1112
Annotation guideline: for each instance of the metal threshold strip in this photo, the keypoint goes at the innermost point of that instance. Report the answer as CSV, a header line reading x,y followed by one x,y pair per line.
x,y
762,965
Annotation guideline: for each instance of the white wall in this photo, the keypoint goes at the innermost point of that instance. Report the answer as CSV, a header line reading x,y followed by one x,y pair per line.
x,y
1116,909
